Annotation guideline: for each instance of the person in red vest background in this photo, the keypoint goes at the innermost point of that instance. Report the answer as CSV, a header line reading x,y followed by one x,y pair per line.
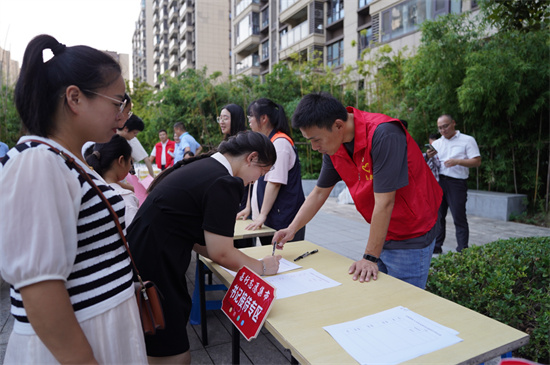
x,y
164,150
391,185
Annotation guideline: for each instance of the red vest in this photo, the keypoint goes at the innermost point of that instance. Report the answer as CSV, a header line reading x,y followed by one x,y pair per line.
x,y
416,205
170,147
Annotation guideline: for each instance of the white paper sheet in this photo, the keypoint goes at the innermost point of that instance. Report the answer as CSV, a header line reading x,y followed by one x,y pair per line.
x,y
300,282
392,336
284,266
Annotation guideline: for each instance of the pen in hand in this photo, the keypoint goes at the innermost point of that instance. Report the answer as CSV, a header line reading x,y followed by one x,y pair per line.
x,y
274,245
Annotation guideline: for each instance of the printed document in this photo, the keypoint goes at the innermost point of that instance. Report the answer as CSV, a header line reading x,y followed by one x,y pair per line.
x,y
284,266
392,336
300,282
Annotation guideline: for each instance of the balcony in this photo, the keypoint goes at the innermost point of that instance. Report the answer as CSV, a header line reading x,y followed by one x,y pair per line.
x,y
249,44
183,65
173,14
294,10
243,5
335,16
173,30
173,47
174,62
295,35
285,4
183,46
183,10
252,60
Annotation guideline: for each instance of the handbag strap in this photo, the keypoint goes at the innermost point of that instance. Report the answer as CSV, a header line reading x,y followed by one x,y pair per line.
x,y
87,177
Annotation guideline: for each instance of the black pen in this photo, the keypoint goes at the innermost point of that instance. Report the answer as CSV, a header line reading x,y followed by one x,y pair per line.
x,y
306,254
274,244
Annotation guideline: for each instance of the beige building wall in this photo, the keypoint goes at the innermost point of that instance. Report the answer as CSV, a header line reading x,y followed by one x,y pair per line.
x,y
212,43
9,69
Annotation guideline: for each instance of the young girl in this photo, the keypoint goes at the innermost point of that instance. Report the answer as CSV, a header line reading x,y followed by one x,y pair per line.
x,y
113,161
231,120
193,206
276,197
72,293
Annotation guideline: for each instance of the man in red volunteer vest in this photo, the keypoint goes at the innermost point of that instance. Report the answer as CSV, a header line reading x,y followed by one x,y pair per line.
x,y
163,152
388,179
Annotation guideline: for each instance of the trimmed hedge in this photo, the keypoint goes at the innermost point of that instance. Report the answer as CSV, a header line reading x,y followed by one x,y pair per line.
x,y
507,280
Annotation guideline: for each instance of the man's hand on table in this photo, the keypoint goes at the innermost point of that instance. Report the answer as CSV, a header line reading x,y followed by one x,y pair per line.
x,y
364,270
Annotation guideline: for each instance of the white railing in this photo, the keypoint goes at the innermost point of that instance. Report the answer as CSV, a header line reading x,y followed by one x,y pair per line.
x,y
295,35
286,4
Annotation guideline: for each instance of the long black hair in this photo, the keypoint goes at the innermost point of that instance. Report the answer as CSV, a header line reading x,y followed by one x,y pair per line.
x,y
102,155
238,145
41,84
238,120
275,112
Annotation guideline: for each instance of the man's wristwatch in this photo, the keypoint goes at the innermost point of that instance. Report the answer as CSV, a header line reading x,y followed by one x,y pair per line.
x,y
370,258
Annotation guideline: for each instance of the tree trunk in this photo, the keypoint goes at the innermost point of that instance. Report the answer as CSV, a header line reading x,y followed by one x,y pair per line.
x,y
538,163
513,155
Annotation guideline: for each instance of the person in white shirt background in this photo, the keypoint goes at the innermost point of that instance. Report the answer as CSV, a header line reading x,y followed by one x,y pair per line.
x,y
130,130
458,153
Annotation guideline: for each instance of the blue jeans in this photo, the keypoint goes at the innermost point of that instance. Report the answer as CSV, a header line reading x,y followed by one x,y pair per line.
x,y
411,266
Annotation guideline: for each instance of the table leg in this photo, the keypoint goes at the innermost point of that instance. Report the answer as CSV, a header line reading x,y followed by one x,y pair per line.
x,y
202,289
236,347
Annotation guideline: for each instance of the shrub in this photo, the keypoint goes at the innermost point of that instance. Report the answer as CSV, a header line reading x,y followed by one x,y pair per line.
x,y
507,280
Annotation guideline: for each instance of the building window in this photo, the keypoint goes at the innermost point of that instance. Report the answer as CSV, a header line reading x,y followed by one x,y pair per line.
x,y
405,18
365,38
250,25
336,11
265,50
265,17
335,54
363,3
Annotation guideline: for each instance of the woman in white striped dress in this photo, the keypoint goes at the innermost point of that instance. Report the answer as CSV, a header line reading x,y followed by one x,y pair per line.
x,y
71,280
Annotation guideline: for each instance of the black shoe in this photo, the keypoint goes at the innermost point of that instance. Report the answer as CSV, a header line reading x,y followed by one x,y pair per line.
x,y
438,250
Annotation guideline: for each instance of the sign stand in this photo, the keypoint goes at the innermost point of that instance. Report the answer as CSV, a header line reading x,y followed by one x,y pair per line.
x,y
248,302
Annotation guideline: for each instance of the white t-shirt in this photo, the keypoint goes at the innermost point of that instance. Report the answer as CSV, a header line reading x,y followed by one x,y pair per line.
x,y
461,146
279,173
163,153
138,152
131,202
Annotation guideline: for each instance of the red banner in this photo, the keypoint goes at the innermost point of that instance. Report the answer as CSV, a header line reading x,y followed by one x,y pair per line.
x,y
248,301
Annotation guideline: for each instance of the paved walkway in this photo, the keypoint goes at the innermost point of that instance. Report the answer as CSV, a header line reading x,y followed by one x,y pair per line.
x,y
336,227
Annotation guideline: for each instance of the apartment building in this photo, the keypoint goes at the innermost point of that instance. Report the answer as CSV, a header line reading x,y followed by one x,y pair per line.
x,y
172,36
270,31
248,37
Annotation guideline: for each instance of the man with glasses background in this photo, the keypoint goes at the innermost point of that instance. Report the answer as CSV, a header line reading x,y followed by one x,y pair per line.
x,y
457,153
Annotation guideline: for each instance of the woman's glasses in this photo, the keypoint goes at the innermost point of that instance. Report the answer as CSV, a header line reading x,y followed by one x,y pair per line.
x,y
223,118
121,104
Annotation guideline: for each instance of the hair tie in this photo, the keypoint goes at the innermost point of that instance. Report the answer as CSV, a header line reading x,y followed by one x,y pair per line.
x,y
58,49
97,154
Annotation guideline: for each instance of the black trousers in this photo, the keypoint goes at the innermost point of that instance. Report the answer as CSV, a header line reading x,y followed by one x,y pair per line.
x,y
455,193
